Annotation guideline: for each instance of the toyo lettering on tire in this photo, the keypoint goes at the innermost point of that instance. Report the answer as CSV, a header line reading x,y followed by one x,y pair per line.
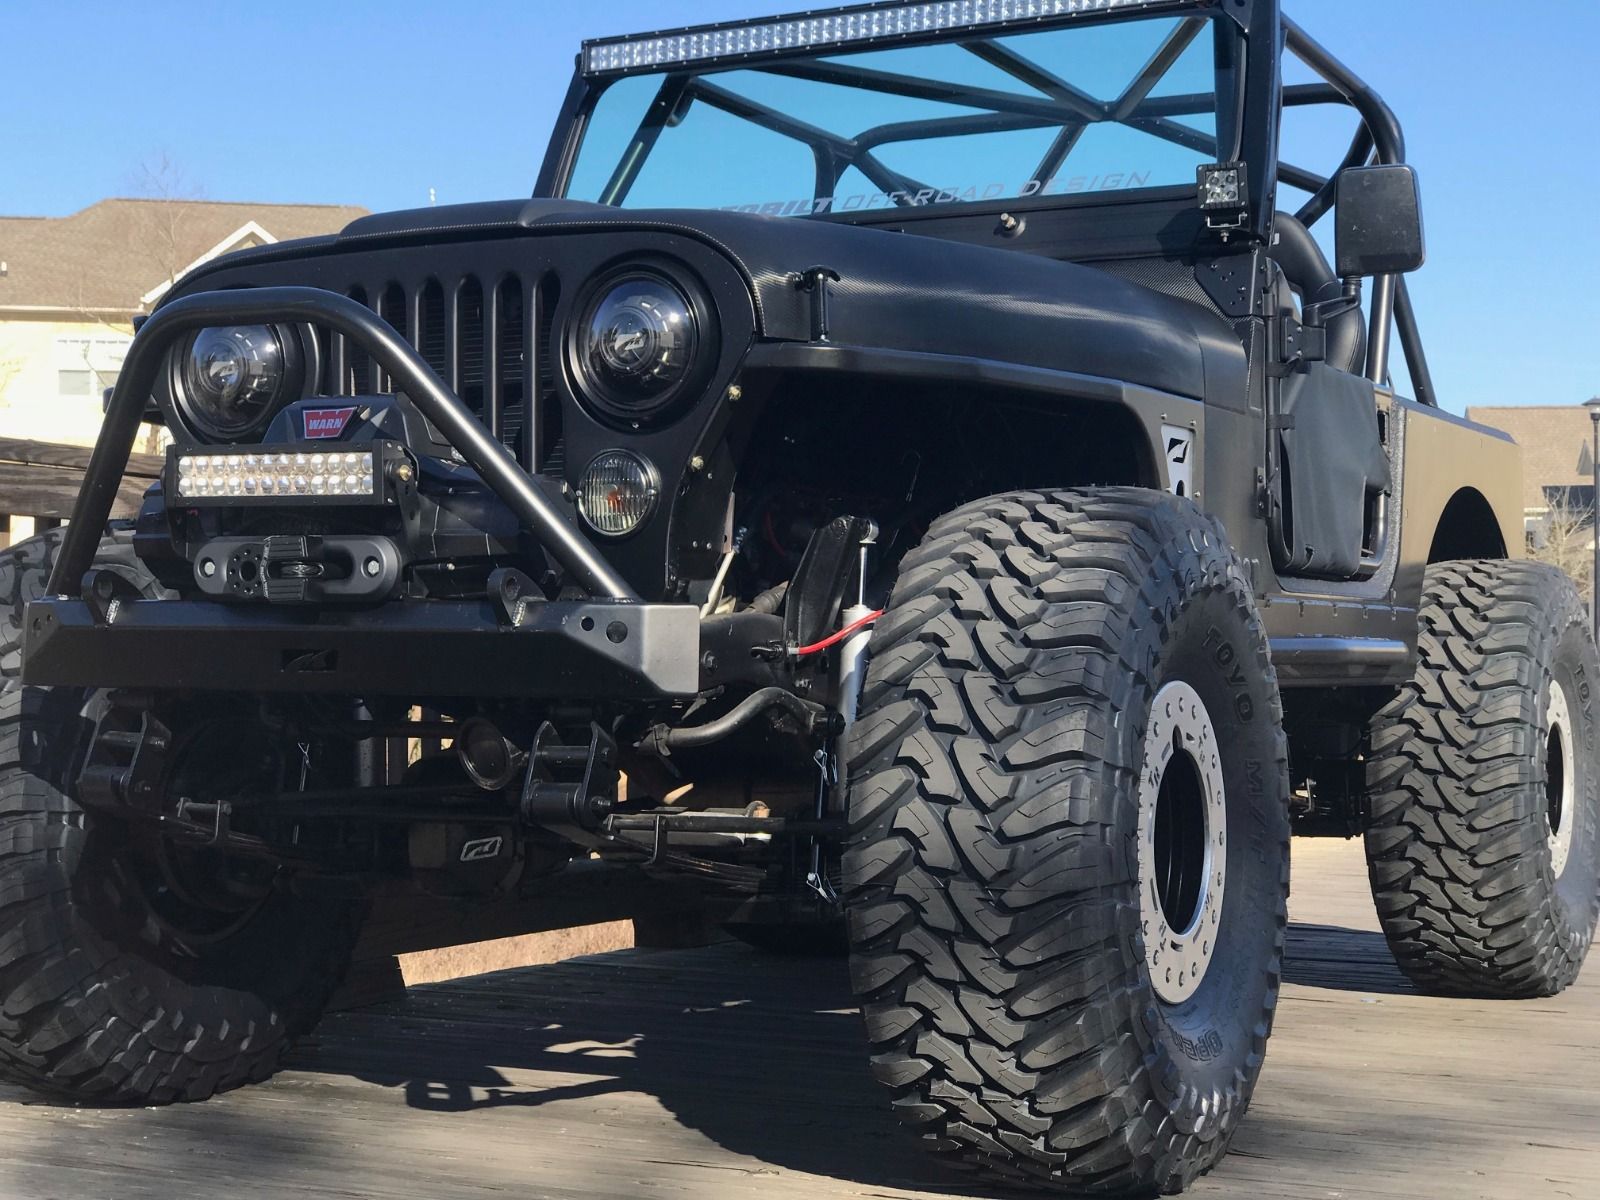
x,y
1068,858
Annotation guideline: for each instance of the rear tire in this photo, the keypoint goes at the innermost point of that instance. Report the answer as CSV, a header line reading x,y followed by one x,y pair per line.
x,y
1007,853
1484,838
101,1000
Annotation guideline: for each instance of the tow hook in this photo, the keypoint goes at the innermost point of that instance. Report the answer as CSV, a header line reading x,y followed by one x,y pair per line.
x,y
104,591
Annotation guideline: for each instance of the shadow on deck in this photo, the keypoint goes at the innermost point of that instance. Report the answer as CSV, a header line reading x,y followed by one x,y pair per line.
x,y
763,1056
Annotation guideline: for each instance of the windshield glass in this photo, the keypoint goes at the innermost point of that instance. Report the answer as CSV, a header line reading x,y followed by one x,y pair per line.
x,y
1085,109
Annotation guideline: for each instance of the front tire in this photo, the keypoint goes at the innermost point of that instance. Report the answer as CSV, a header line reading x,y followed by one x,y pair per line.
x,y
1070,737
1483,843
105,996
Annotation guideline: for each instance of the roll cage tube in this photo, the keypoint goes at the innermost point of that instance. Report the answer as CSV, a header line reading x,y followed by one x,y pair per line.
x,y
412,375
1380,134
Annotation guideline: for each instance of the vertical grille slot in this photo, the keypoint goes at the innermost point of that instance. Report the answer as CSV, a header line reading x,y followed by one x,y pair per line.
x,y
335,363
470,329
392,307
359,380
510,366
433,337
551,449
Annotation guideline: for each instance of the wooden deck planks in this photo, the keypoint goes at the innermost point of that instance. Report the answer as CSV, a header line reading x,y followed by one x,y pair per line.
x,y
717,1073
42,479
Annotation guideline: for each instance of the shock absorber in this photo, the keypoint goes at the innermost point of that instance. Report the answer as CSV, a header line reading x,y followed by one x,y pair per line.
x,y
853,650
851,671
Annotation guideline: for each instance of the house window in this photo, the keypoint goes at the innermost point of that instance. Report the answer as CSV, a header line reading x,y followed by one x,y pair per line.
x,y
86,366
1577,499
75,383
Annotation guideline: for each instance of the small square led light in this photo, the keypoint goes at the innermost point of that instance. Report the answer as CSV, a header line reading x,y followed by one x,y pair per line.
x,y
1223,187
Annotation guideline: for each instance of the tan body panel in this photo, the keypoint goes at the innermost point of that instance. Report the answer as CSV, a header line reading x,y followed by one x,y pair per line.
x,y
1444,455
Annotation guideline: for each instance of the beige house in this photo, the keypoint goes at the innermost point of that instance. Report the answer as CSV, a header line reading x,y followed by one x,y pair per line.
x,y
1557,454
1558,480
70,288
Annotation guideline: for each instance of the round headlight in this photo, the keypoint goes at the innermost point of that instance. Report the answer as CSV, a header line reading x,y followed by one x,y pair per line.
x,y
232,378
617,492
636,345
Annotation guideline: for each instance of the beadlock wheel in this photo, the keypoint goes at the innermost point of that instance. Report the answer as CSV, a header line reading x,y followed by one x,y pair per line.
x,y
1182,842
1069,741
1561,779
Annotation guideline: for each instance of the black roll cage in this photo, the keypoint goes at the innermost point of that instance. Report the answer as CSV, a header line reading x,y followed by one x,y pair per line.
x,y
1379,138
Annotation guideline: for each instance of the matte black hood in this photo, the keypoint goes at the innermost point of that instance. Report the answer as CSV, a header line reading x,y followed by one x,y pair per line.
x,y
897,291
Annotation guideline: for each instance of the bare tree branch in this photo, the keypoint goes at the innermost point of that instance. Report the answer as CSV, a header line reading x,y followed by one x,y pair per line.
x,y
1564,538
166,222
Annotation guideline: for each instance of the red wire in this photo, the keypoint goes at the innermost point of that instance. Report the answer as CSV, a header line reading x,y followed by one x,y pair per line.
x,y
835,639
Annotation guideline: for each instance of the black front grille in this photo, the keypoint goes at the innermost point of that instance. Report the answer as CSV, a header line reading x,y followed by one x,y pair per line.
x,y
493,346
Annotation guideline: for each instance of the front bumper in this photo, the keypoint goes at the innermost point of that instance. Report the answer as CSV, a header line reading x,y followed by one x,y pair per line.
x,y
610,646
581,651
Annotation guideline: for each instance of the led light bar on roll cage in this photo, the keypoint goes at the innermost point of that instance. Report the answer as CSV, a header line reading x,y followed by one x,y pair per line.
x,y
858,26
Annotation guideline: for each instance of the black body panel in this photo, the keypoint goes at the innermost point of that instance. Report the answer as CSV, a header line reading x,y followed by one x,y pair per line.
x,y
898,291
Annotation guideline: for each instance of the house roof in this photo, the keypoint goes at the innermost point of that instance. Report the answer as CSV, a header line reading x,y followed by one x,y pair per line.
x,y
114,256
1556,444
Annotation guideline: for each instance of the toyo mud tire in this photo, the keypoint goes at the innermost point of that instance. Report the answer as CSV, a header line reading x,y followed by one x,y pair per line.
x,y
993,879
97,1003
1475,773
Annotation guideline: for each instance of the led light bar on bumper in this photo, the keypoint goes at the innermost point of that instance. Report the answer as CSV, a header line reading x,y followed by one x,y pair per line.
x,y
287,475
860,25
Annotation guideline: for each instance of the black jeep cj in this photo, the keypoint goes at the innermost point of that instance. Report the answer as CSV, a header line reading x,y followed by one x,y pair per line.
x,y
910,477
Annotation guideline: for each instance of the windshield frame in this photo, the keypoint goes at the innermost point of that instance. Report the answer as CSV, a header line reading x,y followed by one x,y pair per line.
x,y
1229,104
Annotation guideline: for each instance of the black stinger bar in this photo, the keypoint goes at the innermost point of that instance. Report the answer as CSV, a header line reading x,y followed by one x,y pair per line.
x,y
411,374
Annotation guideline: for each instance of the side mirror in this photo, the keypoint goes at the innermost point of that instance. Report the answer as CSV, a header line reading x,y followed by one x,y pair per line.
x,y
1379,216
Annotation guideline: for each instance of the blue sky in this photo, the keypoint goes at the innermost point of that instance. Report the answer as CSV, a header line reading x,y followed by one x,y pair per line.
x,y
376,103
